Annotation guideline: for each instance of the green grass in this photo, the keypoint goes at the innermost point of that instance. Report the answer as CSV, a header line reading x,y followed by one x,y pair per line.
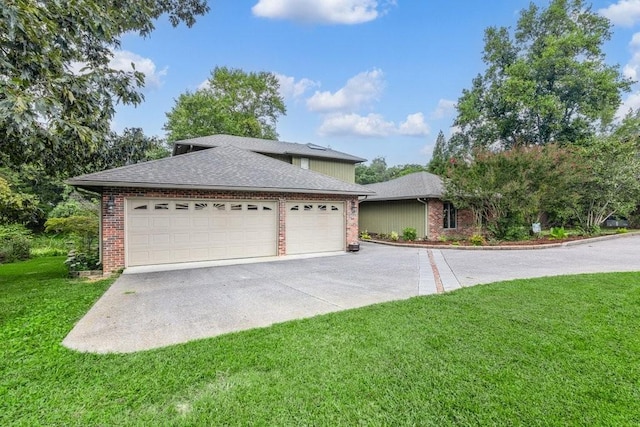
x,y
46,245
554,351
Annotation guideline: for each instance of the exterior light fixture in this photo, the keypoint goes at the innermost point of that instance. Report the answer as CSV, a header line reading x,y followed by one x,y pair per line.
x,y
111,204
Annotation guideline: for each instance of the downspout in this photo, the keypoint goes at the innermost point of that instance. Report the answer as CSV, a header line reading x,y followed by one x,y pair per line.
x,y
426,216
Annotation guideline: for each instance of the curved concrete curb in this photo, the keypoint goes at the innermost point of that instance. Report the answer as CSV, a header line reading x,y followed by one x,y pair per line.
x,y
506,247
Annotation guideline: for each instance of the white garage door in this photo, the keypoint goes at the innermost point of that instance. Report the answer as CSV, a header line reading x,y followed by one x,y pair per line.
x,y
168,231
315,227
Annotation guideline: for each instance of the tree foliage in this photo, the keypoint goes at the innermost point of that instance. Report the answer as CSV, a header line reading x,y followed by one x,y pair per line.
x,y
17,207
233,102
132,146
578,185
58,90
508,190
546,83
378,171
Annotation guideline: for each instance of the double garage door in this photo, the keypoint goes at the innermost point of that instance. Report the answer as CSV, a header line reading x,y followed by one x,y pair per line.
x,y
171,231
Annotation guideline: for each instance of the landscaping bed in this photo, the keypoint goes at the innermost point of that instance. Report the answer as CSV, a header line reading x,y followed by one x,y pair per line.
x,y
456,241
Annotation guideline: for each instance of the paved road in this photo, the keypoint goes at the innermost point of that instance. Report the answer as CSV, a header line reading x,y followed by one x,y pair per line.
x,y
149,310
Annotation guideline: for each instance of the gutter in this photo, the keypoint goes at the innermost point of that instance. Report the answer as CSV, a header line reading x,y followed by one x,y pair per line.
x,y
426,215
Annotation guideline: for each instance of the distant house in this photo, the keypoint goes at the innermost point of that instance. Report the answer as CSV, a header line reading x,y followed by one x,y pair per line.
x,y
413,200
224,197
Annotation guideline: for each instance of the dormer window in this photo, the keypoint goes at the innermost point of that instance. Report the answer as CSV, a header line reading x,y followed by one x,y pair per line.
x,y
304,162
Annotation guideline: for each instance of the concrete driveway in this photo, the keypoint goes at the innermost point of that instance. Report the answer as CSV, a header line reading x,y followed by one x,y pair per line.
x,y
149,310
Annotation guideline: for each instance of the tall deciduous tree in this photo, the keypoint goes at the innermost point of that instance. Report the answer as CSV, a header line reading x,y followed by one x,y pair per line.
x,y
58,90
233,102
132,146
547,83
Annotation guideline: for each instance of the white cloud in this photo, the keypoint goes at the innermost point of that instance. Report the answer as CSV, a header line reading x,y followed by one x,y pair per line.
x,y
632,68
323,11
122,60
356,125
632,102
444,109
359,90
372,125
414,126
290,88
625,12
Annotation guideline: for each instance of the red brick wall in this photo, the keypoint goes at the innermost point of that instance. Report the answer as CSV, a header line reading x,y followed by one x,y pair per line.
x,y
464,226
113,229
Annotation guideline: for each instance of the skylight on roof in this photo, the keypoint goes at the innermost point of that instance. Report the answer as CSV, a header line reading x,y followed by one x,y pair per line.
x,y
316,147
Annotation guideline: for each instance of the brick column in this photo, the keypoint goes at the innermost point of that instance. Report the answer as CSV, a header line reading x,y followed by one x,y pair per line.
x,y
282,229
112,231
351,211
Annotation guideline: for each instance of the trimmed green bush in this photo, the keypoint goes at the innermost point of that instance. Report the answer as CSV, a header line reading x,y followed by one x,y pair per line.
x,y
15,243
409,234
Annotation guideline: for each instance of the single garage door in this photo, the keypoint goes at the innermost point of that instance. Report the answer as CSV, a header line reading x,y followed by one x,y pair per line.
x,y
315,227
167,231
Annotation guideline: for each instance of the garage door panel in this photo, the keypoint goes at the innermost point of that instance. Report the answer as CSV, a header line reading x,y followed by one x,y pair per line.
x,y
161,222
315,227
137,222
184,222
167,231
181,238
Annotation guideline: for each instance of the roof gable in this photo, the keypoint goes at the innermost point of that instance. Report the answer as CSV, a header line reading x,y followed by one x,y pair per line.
x,y
264,146
222,168
411,186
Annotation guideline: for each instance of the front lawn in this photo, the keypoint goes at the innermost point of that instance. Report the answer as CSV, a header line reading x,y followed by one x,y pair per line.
x,y
554,351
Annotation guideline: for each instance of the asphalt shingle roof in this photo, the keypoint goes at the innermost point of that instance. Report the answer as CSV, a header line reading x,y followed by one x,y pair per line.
x,y
267,146
412,186
222,168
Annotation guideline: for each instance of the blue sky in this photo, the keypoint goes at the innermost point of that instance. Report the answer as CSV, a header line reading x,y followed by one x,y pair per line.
x,y
370,78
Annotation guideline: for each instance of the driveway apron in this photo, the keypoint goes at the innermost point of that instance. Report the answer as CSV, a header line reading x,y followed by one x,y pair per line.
x,y
150,310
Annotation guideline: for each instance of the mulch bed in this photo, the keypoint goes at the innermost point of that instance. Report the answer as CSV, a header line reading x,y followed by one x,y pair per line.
x,y
533,242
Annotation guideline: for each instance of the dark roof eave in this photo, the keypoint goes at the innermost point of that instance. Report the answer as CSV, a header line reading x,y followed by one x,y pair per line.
x,y
96,185
386,199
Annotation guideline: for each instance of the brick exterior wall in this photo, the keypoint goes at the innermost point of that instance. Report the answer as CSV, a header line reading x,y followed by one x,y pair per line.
x,y
113,220
464,226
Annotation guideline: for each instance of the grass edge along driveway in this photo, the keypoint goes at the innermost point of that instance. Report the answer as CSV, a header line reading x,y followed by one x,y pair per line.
x,y
550,351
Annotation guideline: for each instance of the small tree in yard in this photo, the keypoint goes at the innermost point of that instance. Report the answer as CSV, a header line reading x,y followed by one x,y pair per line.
x,y
77,218
84,232
609,185
508,190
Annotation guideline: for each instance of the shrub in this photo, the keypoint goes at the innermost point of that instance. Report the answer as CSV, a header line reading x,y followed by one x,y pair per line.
x,y
73,207
81,262
364,235
621,230
409,234
477,240
84,232
558,233
15,243
517,232
394,236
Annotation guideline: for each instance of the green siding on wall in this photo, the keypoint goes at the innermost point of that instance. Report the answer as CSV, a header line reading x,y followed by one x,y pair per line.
x,y
385,217
342,170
